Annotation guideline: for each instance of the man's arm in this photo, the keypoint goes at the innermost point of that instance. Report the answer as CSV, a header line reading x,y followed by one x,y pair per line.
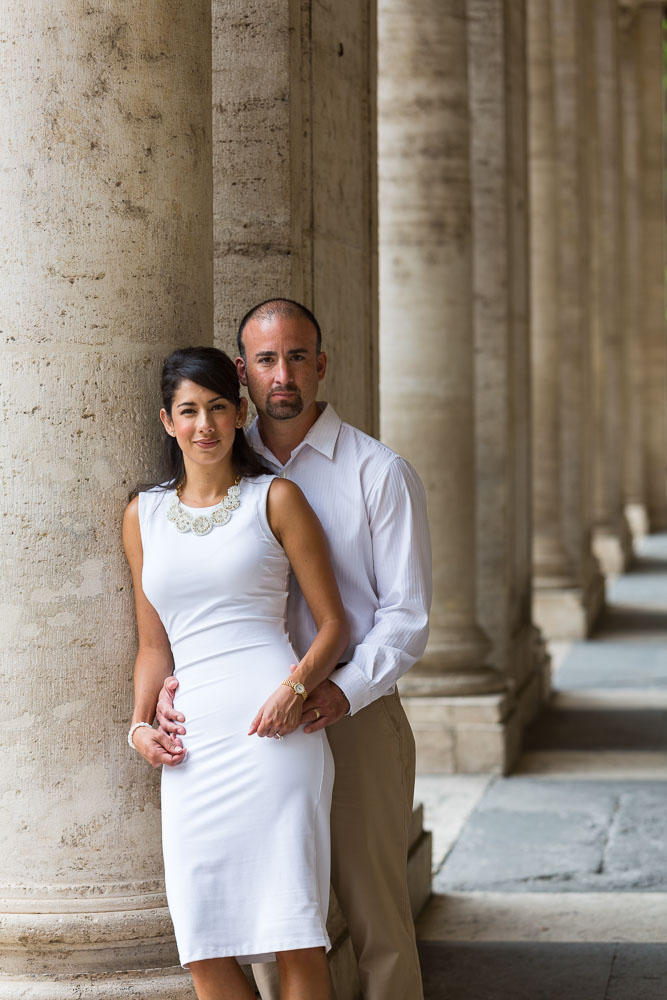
x,y
402,563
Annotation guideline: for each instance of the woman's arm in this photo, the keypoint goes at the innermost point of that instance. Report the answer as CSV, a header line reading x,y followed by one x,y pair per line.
x,y
298,530
154,660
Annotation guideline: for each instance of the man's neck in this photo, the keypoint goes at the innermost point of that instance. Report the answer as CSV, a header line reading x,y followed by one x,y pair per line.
x,y
281,437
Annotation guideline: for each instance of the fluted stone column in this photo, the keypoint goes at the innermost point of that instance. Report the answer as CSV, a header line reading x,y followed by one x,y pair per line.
x,y
294,163
649,45
557,598
572,613
426,331
105,195
635,369
612,539
294,200
498,99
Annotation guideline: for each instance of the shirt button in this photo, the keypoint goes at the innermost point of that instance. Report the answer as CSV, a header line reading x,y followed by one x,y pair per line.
x,y
282,475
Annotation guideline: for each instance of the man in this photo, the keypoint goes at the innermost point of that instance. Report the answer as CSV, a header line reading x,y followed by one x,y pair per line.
x,y
372,506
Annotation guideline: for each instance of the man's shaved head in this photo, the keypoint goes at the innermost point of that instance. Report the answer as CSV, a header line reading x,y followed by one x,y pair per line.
x,y
285,309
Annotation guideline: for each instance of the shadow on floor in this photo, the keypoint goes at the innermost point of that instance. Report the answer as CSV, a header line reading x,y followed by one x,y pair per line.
x,y
598,729
534,971
622,618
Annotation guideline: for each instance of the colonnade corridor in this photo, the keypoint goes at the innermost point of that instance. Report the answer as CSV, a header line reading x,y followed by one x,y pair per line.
x,y
552,883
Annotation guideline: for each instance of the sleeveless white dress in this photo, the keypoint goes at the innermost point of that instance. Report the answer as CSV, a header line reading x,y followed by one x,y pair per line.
x,y
245,820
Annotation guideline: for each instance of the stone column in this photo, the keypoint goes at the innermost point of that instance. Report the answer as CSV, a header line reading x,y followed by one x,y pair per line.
x,y
556,599
635,369
572,614
612,540
294,199
498,97
105,201
652,292
294,168
426,324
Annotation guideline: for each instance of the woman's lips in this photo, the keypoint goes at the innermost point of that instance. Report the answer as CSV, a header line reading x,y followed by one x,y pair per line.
x,y
206,444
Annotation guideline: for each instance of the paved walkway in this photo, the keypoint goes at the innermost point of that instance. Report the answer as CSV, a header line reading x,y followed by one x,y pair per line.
x,y
552,884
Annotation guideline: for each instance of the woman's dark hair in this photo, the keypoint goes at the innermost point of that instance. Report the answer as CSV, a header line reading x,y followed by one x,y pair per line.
x,y
214,370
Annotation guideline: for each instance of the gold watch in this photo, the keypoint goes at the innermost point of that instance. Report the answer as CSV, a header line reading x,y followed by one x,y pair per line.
x,y
296,686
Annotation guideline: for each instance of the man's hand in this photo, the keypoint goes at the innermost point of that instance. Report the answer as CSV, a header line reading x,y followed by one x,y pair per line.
x,y
158,748
169,720
325,705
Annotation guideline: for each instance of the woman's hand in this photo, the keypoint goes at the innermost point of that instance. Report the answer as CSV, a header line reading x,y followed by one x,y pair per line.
x,y
158,748
280,713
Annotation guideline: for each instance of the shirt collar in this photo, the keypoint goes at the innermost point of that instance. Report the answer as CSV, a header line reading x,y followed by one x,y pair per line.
x,y
322,436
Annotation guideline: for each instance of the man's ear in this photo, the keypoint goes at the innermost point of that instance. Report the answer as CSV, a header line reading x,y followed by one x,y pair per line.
x,y
321,365
240,370
242,412
167,421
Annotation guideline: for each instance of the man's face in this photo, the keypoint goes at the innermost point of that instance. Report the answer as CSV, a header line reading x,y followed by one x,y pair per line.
x,y
282,368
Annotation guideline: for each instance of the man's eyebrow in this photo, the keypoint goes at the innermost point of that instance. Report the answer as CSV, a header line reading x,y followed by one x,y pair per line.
x,y
214,400
272,354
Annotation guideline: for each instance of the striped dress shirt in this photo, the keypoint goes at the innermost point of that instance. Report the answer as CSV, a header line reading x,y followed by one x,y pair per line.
x,y
372,507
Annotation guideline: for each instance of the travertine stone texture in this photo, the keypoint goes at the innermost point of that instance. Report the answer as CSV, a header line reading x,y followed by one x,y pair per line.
x,y
294,178
612,540
635,369
427,374
553,567
466,735
497,73
649,45
105,194
573,612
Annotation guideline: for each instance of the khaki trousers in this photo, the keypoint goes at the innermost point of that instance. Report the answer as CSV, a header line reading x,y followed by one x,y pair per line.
x,y
374,752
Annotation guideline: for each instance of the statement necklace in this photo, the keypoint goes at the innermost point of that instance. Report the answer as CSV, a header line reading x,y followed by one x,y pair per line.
x,y
202,523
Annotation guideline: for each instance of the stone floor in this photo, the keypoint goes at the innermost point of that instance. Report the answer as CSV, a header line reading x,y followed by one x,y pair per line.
x,y
552,884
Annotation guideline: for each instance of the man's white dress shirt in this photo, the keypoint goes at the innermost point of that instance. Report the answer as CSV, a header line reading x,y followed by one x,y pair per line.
x,y
372,507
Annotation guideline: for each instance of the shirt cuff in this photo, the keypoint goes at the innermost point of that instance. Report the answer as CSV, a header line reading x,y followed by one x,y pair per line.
x,y
353,682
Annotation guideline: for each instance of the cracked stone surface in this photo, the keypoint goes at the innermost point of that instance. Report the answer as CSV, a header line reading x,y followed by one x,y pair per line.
x,y
543,835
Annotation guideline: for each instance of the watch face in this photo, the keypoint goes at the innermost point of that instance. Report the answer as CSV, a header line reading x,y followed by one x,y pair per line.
x,y
299,688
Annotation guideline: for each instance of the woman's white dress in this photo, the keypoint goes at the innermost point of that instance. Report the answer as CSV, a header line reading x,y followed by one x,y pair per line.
x,y
245,820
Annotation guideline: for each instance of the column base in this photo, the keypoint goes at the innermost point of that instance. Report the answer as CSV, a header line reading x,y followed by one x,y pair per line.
x,y
637,517
570,612
464,735
483,734
613,547
172,983
444,670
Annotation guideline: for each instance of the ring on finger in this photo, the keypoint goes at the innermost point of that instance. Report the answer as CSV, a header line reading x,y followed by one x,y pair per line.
x,y
277,736
317,713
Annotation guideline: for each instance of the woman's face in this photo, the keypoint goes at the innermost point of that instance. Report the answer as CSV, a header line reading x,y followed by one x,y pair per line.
x,y
203,423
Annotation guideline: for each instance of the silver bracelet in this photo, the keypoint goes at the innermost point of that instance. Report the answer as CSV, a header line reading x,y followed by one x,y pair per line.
x,y
131,732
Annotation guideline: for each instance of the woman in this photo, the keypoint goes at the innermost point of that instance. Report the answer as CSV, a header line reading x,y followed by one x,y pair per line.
x,y
245,814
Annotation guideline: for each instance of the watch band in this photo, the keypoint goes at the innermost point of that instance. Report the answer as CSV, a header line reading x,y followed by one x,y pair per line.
x,y
295,685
